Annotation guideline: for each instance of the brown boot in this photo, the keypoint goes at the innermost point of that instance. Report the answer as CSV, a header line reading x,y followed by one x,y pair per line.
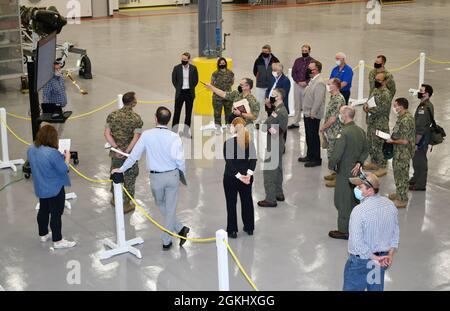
x,y
392,196
380,172
330,183
400,204
332,176
128,207
370,166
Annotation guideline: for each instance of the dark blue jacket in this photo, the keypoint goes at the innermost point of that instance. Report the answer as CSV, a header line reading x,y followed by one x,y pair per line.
x,y
283,83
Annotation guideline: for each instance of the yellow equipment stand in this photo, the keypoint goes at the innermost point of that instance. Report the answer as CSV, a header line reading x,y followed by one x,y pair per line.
x,y
203,97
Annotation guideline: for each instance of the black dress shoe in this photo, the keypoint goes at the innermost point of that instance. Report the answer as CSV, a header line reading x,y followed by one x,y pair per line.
x,y
412,182
249,232
313,163
304,159
280,198
338,235
232,235
265,203
167,247
293,126
183,232
414,188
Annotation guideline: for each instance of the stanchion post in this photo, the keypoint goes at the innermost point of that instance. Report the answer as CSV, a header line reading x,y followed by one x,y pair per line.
x,y
361,80
119,101
422,69
121,246
5,162
222,260
291,94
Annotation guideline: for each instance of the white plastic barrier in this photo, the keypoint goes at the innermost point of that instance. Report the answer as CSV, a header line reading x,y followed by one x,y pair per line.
x,y
360,100
222,260
421,74
119,101
5,162
291,94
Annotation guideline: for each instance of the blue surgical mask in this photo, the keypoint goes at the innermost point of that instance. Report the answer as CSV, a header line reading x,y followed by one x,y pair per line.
x,y
358,193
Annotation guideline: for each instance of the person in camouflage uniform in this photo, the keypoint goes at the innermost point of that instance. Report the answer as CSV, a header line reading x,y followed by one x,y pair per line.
x,y
332,126
379,66
276,125
222,79
244,91
403,138
122,131
378,119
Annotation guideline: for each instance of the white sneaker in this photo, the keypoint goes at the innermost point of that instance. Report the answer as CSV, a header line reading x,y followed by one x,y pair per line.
x,y
64,244
45,237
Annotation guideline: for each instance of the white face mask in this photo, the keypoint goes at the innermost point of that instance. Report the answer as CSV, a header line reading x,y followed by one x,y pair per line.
x,y
328,88
341,119
338,62
275,74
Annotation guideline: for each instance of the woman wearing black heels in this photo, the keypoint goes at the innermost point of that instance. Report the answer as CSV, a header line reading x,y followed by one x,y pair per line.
x,y
240,162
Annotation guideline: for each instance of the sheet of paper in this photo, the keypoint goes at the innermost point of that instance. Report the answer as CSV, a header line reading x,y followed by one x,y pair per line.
x,y
371,102
120,152
382,134
64,144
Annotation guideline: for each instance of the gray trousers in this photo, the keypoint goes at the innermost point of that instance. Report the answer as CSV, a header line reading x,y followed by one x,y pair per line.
x,y
420,165
273,178
298,102
165,192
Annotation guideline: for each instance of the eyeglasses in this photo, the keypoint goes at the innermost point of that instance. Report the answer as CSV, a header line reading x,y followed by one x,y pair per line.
x,y
363,177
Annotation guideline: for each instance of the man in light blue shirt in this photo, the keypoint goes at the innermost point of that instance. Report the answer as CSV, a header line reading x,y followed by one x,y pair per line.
x,y
373,236
165,162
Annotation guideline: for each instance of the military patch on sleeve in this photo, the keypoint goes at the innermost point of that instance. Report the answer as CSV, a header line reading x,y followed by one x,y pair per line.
x,y
338,136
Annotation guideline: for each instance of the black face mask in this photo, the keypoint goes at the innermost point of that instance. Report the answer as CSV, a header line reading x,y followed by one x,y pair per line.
x,y
419,95
377,66
273,99
222,66
378,84
184,62
305,54
308,73
265,55
240,89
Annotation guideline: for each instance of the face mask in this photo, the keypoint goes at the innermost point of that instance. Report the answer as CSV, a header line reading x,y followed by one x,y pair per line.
x,y
419,95
184,62
378,84
273,99
377,66
222,66
308,73
328,88
305,54
275,74
240,89
338,62
265,55
358,193
341,119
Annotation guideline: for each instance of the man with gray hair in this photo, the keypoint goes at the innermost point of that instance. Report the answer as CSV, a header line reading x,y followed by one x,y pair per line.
x,y
345,73
349,153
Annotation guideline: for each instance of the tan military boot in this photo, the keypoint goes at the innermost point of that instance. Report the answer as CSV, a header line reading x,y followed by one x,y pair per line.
x,y
380,172
392,196
370,166
332,176
330,183
128,207
400,204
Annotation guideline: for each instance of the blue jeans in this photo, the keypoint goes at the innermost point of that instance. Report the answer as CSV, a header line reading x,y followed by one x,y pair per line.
x,y
361,274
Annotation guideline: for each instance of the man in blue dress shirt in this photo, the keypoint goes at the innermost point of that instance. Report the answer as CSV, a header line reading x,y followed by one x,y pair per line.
x,y
345,73
373,236
166,164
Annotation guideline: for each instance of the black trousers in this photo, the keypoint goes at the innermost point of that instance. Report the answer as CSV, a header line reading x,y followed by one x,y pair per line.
x,y
184,97
51,209
312,139
346,95
232,187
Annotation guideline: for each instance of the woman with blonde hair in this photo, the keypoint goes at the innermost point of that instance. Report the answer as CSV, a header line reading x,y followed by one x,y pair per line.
x,y
240,163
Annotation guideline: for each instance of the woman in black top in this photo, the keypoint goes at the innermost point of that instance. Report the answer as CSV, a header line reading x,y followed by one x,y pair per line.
x,y
240,163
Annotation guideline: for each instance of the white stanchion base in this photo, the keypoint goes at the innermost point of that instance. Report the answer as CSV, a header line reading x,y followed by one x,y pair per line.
x,y
117,250
413,92
11,164
67,204
357,102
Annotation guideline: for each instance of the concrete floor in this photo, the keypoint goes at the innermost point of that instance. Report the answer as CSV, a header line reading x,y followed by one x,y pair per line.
x,y
290,249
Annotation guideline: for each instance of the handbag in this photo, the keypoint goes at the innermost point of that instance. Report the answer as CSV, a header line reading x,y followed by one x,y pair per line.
x,y
437,133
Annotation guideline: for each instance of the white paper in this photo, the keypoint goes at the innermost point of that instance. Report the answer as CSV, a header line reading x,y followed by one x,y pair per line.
x,y
64,144
120,152
371,102
383,135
